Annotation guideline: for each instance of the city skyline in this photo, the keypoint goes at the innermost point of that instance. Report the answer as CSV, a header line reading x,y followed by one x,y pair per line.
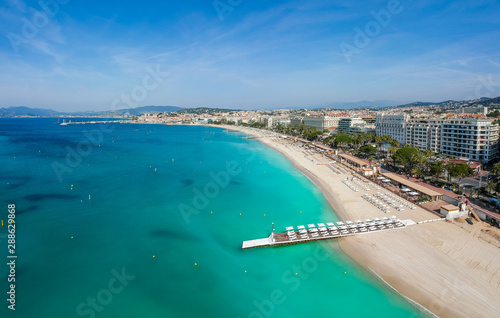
x,y
245,55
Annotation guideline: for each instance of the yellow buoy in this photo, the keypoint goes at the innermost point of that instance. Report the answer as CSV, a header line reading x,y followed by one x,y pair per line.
x,y
296,274
211,212
345,272
81,201
172,159
155,169
245,271
2,223
240,213
300,211
154,256
72,237
195,264
39,151
264,215
89,196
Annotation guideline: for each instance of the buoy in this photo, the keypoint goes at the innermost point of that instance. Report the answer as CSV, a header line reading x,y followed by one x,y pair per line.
x,y
264,215
172,159
89,196
195,264
99,145
300,211
155,169
72,237
240,213
2,223
154,256
245,271
345,272
211,212
39,151
81,200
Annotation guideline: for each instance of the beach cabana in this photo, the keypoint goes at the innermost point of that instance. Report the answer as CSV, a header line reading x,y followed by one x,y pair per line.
x,y
301,227
311,226
321,225
290,228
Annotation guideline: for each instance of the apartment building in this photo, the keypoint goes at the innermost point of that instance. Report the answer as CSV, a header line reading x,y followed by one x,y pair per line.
x,y
393,125
346,124
475,138
322,122
296,121
424,133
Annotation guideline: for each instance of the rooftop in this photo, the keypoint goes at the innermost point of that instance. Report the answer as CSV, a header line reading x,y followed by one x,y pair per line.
x,y
412,185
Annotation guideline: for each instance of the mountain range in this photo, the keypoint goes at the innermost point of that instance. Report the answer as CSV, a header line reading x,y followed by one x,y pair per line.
x,y
27,111
374,105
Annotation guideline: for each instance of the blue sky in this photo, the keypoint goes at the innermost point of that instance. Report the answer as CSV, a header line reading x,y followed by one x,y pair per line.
x,y
99,55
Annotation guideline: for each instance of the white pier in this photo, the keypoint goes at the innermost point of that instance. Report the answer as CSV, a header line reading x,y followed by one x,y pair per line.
x,y
320,231
257,243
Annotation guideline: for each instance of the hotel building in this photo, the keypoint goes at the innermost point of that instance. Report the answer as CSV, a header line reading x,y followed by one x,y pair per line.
x,y
475,138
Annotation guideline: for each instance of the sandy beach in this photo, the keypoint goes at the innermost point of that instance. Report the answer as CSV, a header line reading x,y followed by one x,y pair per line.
x,y
450,268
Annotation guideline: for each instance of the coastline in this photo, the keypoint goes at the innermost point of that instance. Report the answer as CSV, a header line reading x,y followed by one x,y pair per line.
x,y
445,268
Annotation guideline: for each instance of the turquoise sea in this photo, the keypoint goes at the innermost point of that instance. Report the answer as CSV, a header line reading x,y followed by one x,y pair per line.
x,y
161,234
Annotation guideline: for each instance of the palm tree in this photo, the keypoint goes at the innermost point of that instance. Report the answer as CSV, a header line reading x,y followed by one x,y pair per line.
x,y
394,142
490,185
437,168
428,153
496,169
378,142
449,168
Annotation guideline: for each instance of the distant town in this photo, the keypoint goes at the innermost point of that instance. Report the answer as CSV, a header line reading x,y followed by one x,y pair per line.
x,y
455,130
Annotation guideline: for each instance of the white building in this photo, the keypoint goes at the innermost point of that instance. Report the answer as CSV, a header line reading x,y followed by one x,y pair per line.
x,y
481,110
296,121
470,137
322,122
424,133
393,125
346,125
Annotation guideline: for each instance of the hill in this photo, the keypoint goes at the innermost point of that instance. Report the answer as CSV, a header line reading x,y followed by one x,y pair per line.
x,y
27,111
